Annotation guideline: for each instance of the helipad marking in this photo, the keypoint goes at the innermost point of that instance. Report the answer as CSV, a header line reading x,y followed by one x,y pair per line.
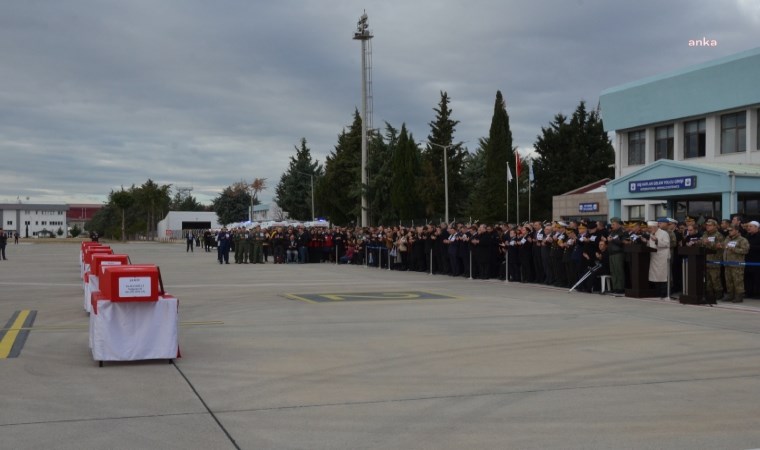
x,y
363,296
13,336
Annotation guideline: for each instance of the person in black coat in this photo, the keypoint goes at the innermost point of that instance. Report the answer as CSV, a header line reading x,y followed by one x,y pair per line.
x,y
452,249
512,256
525,253
482,246
440,250
752,273
3,243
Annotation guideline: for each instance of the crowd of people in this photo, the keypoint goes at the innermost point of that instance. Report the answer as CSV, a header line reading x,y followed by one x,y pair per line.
x,y
551,253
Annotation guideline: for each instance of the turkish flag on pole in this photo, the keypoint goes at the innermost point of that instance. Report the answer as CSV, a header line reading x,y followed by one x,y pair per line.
x,y
518,164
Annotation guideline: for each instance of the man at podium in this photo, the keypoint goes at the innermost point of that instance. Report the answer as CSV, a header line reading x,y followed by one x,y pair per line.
x,y
659,240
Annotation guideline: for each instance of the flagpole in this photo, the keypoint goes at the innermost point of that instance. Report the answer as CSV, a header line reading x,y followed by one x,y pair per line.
x,y
517,185
530,181
517,188
509,178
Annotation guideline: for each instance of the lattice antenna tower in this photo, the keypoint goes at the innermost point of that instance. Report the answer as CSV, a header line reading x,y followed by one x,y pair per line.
x,y
184,191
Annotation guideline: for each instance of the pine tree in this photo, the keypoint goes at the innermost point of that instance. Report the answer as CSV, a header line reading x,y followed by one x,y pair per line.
x,y
491,198
572,154
440,142
474,167
339,191
293,192
406,164
379,176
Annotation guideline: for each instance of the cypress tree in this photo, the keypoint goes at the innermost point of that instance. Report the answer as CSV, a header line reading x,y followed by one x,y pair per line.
x,y
491,197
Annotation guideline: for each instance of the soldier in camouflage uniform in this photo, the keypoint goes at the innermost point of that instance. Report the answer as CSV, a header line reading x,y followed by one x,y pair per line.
x,y
735,247
258,242
237,239
245,241
615,241
712,239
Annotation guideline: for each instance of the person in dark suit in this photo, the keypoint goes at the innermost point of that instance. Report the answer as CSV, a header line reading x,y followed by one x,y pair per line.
x,y
224,240
3,244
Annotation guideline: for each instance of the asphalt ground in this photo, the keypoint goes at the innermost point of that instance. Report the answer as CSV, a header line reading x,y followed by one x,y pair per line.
x,y
381,360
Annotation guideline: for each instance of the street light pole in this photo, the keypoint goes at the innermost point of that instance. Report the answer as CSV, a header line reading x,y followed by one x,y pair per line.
x,y
445,174
313,217
250,212
364,35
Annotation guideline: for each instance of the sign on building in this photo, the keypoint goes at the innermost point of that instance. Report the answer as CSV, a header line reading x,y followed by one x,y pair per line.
x,y
663,184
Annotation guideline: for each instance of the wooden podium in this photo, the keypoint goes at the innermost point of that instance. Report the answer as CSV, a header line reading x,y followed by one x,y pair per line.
x,y
639,271
693,292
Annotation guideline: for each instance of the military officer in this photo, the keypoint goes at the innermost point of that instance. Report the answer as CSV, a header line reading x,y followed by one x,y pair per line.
x,y
712,240
258,245
615,240
238,240
735,247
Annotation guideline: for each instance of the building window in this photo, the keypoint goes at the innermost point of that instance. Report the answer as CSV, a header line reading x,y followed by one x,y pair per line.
x,y
694,139
636,212
660,211
636,147
10,222
733,133
704,208
663,143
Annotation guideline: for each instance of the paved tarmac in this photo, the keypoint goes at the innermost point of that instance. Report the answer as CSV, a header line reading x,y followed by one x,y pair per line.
x,y
471,364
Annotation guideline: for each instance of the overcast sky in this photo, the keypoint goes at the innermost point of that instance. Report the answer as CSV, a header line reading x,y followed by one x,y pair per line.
x,y
96,94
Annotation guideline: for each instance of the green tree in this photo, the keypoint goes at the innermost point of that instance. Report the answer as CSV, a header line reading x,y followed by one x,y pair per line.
x,y
440,143
106,221
406,166
122,199
152,202
474,166
294,191
379,176
185,203
491,198
75,231
571,154
339,192
233,202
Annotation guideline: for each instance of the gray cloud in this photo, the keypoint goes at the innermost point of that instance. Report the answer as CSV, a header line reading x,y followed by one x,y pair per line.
x,y
95,95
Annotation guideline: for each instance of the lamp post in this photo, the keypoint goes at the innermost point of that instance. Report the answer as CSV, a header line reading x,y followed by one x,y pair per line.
x,y
311,176
364,35
250,211
445,174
